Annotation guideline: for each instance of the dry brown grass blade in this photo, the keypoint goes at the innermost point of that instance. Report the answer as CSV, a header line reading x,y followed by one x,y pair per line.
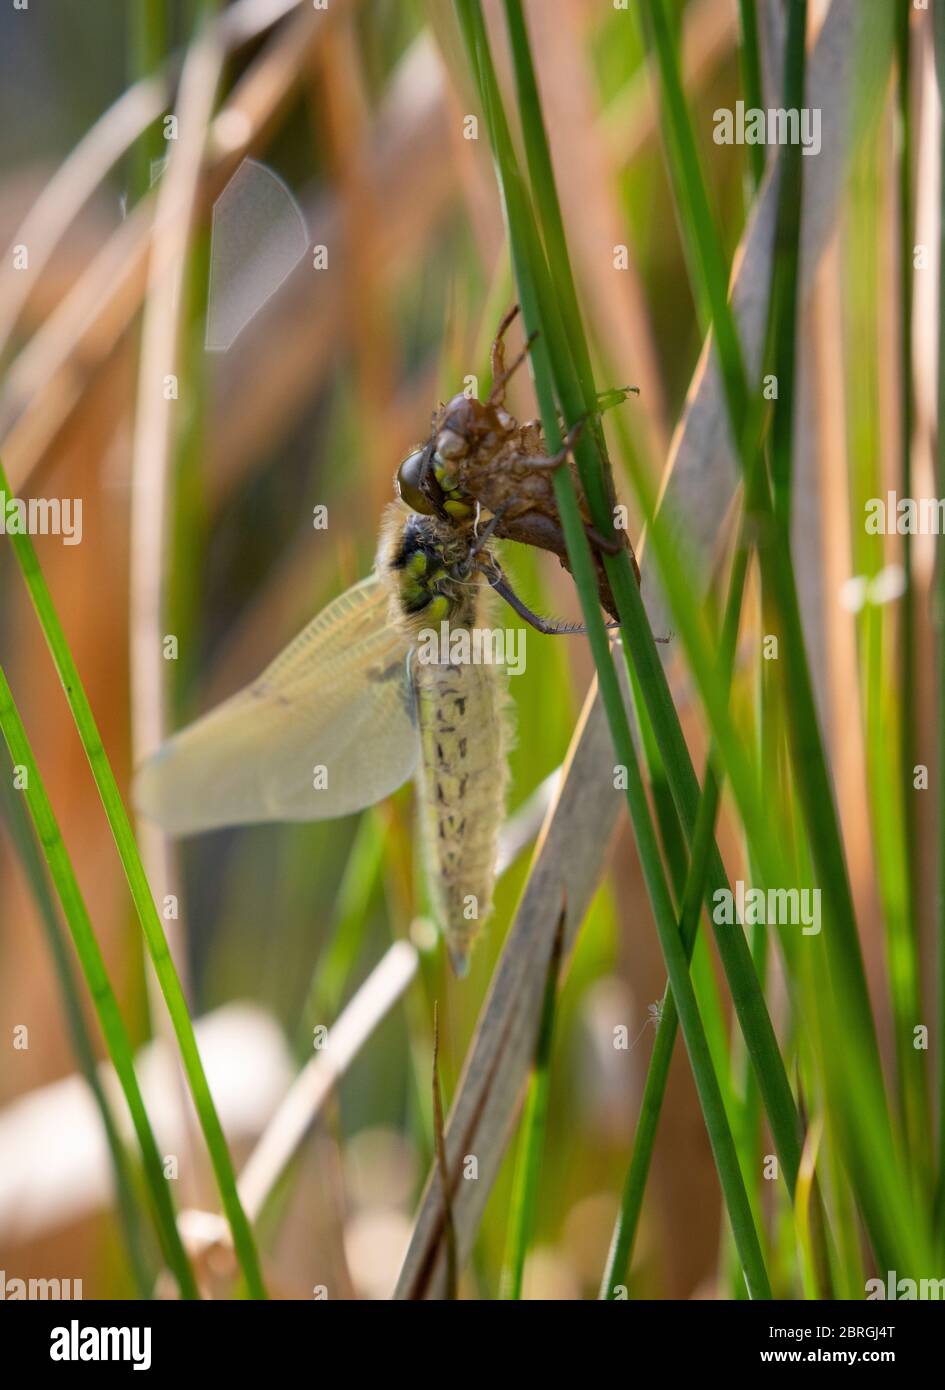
x,y
264,392
311,1088
305,1099
88,164
152,456
701,473
70,188
48,378
614,299
367,295
569,859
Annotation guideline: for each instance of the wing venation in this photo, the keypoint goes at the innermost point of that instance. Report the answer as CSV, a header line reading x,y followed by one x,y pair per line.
x,y
327,729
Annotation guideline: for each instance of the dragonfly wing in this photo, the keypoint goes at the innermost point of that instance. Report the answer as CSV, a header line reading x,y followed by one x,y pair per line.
x,y
327,729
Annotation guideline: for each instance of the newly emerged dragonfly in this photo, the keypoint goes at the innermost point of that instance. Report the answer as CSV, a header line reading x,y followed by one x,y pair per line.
x,y
351,710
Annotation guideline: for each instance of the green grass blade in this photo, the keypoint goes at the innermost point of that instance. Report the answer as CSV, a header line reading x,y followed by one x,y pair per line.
x,y
939,31
24,840
886,1202
155,939
624,1235
553,373
147,47
749,63
782,318
96,976
638,639
813,779
346,939
907,633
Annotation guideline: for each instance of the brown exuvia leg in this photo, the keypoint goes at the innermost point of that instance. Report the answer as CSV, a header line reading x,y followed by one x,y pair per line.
x,y
556,460
609,547
501,374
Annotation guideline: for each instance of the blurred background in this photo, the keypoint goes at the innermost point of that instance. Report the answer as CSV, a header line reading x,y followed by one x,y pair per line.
x,y
344,268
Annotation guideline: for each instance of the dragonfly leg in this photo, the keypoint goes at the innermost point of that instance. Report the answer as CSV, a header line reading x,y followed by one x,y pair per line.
x,y
465,567
551,627
484,536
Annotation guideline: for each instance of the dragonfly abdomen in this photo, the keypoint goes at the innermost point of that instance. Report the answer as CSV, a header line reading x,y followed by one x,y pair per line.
x,y
463,770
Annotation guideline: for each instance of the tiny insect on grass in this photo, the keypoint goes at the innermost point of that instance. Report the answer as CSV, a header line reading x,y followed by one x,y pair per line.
x,y
354,707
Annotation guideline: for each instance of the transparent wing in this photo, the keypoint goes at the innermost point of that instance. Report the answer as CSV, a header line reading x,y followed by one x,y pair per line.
x,y
258,237
327,729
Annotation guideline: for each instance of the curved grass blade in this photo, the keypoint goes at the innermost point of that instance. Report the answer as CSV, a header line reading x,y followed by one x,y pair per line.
x,y
23,837
96,976
155,939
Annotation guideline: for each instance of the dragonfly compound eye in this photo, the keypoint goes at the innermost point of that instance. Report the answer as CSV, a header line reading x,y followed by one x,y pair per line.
x,y
408,484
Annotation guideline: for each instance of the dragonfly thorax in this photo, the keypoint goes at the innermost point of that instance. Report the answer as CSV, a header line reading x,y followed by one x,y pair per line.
x,y
428,564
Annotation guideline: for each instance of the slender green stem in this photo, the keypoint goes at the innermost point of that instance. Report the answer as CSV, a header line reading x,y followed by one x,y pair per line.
x,y
148,46
782,318
155,939
813,778
939,33
890,1214
749,62
639,646
625,1229
542,179
779,344
452,1263
553,372
24,839
911,1070
345,940
96,977
907,634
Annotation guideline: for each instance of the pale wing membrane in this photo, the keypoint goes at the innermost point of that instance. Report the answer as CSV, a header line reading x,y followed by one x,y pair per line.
x,y
338,698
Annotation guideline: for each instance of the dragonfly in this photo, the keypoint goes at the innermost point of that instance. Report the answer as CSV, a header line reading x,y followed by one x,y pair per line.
x,y
361,701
